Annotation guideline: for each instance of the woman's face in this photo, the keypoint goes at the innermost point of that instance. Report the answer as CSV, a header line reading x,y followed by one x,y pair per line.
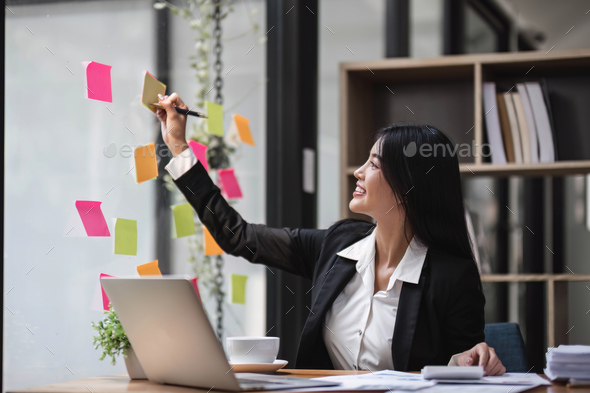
x,y
372,195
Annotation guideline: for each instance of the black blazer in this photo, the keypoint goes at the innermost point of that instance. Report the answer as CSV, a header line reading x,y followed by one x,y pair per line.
x,y
440,316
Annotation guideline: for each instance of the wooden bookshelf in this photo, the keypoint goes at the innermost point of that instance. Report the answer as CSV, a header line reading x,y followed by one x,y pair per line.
x,y
447,93
556,284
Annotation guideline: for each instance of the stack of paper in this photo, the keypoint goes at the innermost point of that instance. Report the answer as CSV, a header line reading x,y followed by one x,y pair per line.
x,y
568,362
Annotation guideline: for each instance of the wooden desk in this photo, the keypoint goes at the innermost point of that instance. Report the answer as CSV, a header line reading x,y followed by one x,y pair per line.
x,y
121,383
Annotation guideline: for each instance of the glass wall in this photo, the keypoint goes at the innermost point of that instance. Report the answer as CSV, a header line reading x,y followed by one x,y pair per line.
x,y
61,147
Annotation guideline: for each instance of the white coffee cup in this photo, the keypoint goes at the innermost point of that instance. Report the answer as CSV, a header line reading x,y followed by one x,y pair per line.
x,y
251,350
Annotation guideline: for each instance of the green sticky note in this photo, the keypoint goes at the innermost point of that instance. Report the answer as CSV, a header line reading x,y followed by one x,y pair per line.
x,y
183,220
238,289
215,121
125,237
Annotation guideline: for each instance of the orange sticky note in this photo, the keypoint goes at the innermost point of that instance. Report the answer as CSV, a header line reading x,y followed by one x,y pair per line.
x,y
244,129
105,298
146,165
211,246
149,269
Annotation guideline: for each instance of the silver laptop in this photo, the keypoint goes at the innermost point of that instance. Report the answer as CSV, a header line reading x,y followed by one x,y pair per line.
x,y
174,341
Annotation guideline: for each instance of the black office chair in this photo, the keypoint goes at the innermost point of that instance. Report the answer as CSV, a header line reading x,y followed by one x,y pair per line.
x,y
507,341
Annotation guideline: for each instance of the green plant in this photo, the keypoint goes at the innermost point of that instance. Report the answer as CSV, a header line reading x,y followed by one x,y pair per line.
x,y
111,337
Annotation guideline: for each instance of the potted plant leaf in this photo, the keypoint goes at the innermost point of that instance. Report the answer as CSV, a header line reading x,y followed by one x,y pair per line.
x,y
114,342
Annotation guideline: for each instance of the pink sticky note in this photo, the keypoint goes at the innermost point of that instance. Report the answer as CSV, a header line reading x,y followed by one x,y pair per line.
x,y
194,281
230,183
98,81
200,151
105,298
92,218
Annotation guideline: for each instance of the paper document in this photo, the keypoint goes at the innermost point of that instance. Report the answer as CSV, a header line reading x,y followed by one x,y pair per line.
x,y
506,379
389,380
386,380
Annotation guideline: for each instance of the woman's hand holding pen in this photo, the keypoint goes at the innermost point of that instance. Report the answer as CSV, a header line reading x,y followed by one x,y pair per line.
x,y
173,124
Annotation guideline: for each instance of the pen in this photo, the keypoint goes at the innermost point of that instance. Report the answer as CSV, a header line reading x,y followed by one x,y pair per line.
x,y
183,111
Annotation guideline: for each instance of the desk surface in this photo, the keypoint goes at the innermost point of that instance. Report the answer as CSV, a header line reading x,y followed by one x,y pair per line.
x,y
121,383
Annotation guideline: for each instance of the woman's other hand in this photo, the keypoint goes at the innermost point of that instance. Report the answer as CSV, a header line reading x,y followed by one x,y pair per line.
x,y
173,124
482,355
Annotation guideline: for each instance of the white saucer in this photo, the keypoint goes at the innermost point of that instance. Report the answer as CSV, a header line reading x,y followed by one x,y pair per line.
x,y
258,367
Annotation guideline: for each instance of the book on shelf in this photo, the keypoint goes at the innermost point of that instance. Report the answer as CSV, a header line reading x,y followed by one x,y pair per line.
x,y
568,102
492,122
505,127
522,104
525,139
542,122
514,129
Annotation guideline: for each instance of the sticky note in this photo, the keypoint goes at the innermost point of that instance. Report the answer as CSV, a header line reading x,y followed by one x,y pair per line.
x,y
183,220
92,218
230,183
146,164
215,121
105,298
194,281
98,81
125,237
238,289
200,152
211,246
149,269
151,88
244,129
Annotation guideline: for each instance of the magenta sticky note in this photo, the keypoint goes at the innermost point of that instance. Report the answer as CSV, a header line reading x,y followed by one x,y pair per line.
x,y
194,281
200,151
230,183
92,218
98,81
105,298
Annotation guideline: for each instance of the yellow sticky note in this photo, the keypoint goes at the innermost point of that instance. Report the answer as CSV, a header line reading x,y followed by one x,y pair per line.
x,y
244,129
149,269
238,289
151,88
215,121
125,237
211,246
183,220
146,165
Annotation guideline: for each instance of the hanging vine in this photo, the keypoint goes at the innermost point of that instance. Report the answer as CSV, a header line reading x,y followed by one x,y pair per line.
x,y
205,17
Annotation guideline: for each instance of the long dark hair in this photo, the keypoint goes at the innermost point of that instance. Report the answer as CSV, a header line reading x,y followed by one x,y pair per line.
x,y
420,165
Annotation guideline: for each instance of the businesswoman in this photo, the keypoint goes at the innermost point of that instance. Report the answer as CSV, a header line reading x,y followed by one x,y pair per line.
x,y
399,294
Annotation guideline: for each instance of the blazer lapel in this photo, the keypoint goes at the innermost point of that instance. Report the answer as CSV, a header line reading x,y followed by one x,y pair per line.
x,y
405,323
335,279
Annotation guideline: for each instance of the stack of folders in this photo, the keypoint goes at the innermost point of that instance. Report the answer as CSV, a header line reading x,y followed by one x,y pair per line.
x,y
518,124
569,362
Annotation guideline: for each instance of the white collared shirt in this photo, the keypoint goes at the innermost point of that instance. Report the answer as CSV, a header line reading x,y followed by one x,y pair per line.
x,y
359,325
